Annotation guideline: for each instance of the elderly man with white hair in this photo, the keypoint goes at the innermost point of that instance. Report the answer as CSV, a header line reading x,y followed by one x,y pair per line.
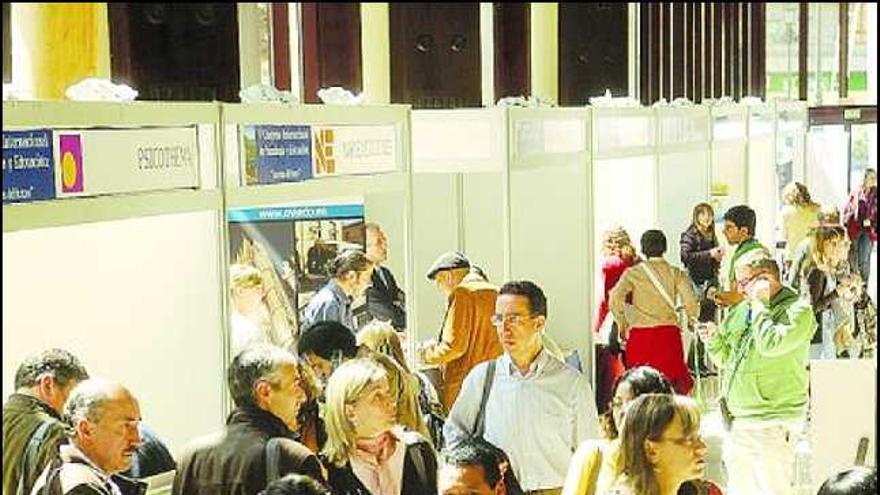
x,y
104,435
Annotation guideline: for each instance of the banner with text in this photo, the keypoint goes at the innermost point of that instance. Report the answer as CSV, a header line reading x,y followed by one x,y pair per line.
x,y
107,161
28,173
276,153
355,149
293,248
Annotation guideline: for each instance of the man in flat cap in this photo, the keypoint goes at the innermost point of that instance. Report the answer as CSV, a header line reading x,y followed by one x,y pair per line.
x,y
467,336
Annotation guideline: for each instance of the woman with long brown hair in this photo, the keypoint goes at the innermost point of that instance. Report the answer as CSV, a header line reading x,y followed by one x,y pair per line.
x,y
701,256
831,292
661,446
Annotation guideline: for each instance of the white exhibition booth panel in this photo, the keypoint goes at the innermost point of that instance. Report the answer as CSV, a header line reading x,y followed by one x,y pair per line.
x,y
729,163
351,156
763,183
550,218
683,171
625,176
122,264
459,200
843,411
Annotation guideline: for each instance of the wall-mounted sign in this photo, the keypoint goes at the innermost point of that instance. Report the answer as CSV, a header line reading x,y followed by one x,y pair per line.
x,y
28,166
287,213
276,153
356,149
107,161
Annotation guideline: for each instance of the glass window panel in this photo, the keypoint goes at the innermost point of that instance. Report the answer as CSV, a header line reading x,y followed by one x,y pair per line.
x,y
827,164
823,53
864,152
857,75
782,50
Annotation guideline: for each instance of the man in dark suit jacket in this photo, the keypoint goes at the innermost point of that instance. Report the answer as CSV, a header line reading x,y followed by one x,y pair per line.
x,y
385,300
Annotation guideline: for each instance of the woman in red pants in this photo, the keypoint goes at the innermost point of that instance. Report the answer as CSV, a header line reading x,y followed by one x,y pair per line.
x,y
661,295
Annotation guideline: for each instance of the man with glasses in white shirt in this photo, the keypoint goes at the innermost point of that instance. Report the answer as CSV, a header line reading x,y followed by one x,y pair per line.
x,y
538,409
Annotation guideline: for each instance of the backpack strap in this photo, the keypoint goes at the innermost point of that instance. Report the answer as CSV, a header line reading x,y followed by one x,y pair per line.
x,y
657,285
418,460
480,422
273,456
52,484
30,451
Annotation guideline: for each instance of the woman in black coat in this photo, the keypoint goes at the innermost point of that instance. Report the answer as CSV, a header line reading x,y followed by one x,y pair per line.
x,y
366,452
701,256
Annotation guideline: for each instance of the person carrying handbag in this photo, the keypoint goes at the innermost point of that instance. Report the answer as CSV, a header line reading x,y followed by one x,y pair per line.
x,y
653,327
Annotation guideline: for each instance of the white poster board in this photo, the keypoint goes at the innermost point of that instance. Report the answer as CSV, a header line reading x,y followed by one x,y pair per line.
x,y
843,409
137,300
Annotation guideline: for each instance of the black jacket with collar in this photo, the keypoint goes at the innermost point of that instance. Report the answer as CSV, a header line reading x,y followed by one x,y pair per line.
x,y
385,300
233,462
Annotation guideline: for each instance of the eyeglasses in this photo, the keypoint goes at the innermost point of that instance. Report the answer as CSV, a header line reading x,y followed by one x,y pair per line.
x,y
689,441
742,284
511,319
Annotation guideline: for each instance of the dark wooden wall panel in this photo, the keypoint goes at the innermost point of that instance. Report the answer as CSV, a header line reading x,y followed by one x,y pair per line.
x,y
171,51
702,50
665,52
7,43
592,51
803,29
435,54
689,50
746,33
678,51
699,46
281,45
843,43
736,78
649,53
708,51
717,50
331,47
512,28
758,68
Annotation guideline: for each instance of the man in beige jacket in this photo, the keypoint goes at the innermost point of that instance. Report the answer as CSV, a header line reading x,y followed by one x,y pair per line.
x,y
467,336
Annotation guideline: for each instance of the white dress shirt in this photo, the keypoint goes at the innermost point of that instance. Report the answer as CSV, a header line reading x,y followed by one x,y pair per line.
x,y
539,419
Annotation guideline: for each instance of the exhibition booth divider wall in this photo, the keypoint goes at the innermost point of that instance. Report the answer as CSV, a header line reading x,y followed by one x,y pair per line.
x,y
459,200
112,220
728,160
762,184
549,221
625,177
683,173
150,205
510,189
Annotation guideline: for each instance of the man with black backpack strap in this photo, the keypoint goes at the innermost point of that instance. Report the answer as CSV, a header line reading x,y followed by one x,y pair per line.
x,y
534,407
32,424
257,445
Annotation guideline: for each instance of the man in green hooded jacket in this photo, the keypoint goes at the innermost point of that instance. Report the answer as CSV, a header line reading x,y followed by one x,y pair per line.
x,y
763,346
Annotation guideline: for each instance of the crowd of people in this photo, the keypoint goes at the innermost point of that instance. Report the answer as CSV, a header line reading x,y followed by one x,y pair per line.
x,y
341,411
